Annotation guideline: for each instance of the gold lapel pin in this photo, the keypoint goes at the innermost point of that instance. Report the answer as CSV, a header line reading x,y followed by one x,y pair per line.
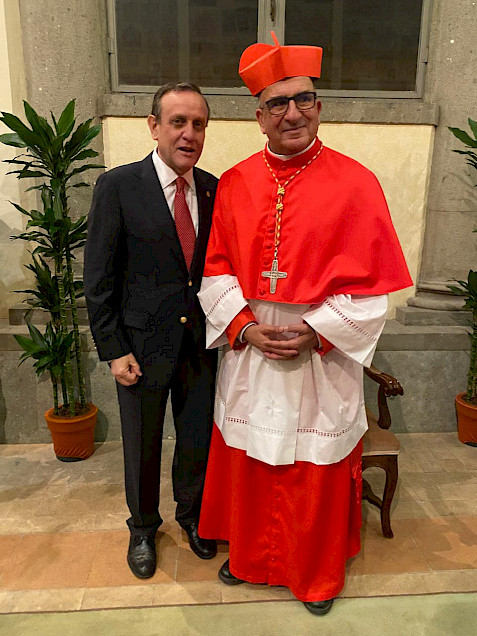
x,y
207,194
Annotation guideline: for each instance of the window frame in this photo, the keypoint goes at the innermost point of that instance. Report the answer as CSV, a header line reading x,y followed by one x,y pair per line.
x,y
265,25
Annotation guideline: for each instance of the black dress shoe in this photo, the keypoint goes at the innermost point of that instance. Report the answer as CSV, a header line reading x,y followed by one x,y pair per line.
x,y
319,608
204,548
142,556
226,576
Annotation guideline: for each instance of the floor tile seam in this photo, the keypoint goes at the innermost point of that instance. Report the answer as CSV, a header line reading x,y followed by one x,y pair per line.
x,y
93,560
439,499
85,590
176,565
95,531
404,594
445,518
228,603
444,480
17,594
142,606
83,593
206,582
398,517
441,570
424,573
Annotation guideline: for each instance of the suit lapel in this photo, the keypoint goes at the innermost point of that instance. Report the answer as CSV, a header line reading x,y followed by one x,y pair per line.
x,y
155,203
152,194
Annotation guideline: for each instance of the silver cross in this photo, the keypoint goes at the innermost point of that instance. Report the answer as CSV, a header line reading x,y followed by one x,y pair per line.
x,y
274,275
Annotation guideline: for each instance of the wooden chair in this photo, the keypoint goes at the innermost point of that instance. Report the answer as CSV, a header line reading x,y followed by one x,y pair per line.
x,y
381,447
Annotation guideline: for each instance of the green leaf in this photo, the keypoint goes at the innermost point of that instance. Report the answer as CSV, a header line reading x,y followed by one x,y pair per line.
x,y
464,137
36,335
46,197
81,138
55,186
85,154
82,222
469,153
39,124
24,162
23,358
12,139
66,118
473,126
88,166
457,290
58,209
20,209
472,282
72,147
44,362
28,174
27,344
29,137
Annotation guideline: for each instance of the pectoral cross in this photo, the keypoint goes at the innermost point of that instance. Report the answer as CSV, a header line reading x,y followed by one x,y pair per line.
x,y
274,275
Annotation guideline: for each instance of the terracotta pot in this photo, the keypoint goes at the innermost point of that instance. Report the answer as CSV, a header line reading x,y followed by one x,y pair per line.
x,y
73,437
466,420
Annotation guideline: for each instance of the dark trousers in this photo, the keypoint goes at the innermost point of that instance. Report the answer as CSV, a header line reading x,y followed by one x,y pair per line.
x,y
142,409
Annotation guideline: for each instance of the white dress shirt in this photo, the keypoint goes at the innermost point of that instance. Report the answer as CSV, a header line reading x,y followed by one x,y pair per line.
x,y
167,178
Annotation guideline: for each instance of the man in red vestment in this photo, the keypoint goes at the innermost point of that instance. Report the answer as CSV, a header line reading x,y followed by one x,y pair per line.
x,y
301,257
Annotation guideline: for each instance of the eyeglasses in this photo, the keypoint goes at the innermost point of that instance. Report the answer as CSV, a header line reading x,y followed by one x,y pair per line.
x,y
279,105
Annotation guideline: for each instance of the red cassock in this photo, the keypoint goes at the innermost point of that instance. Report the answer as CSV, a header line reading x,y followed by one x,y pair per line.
x,y
292,525
295,525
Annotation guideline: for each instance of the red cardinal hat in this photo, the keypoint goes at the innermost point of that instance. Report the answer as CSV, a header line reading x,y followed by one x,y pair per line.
x,y
265,64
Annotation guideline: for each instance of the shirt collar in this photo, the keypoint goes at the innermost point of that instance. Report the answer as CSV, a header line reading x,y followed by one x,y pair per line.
x,y
167,175
287,157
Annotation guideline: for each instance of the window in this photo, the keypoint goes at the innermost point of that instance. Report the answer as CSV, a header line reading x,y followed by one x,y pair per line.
x,y
372,48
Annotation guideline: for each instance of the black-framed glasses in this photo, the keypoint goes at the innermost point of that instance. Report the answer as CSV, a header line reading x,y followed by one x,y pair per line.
x,y
279,105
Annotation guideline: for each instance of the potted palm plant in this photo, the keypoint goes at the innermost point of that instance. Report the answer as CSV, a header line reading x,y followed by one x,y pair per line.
x,y
466,402
51,156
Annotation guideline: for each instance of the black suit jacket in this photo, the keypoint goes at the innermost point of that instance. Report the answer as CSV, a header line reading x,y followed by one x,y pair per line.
x,y
135,277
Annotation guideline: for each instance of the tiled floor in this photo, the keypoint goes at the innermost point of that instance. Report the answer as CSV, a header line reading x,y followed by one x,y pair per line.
x,y
63,537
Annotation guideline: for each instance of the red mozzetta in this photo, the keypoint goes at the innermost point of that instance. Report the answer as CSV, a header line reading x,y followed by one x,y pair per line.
x,y
336,233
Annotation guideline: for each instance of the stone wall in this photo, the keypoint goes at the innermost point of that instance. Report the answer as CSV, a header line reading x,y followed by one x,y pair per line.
x,y
449,246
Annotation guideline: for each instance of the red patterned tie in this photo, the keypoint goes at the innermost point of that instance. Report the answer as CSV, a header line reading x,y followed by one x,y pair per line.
x,y
184,224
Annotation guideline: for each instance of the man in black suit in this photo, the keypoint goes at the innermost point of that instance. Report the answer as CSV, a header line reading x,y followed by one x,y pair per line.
x,y
147,235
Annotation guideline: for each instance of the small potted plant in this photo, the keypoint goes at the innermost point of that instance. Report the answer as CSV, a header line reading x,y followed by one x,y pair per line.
x,y
51,155
466,402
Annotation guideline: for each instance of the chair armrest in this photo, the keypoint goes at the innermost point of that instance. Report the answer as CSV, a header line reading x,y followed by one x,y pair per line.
x,y
388,387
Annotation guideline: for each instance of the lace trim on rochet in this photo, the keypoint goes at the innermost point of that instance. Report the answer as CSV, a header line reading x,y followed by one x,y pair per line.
x,y
265,429
350,322
221,297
